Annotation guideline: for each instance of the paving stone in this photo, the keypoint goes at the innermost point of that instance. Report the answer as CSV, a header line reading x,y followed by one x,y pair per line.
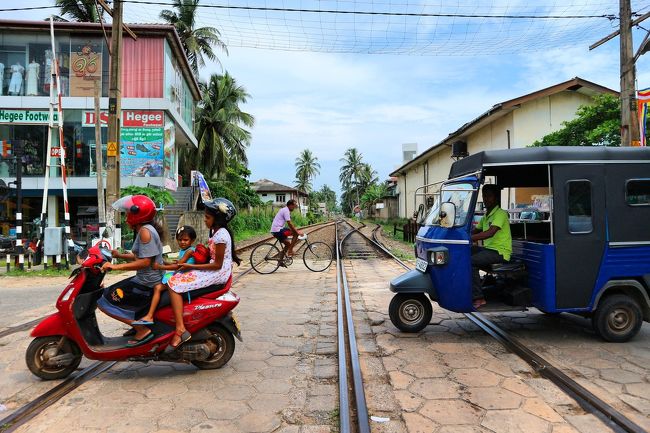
x,y
179,418
323,389
462,429
289,429
252,366
210,426
257,421
451,412
587,424
426,370
315,429
455,361
494,398
269,402
563,428
537,407
638,403
432,389
235,392
499,367
282,361
283,351
321,403
513,421
325,372
416,423
228,411
517,386
475,378
400,380
274,386
639,389
619,376
550,393
408,401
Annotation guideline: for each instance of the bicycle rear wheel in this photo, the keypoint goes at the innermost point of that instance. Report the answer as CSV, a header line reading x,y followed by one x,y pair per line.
x,y
264,258
317,256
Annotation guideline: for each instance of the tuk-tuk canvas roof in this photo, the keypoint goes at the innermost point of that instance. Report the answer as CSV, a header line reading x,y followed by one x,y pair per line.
x,y
549,155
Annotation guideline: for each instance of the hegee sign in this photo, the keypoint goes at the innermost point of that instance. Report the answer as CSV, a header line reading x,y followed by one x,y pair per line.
x,y
130,118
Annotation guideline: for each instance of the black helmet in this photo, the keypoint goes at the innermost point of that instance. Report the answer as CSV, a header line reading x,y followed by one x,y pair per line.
x,y
222,206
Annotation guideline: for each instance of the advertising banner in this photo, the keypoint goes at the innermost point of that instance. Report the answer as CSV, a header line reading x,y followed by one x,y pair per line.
x,y
142,152
171,168
86,67
130,118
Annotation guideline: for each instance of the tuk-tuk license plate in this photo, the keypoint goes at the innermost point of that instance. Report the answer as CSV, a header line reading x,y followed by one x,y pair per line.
x,y
421,265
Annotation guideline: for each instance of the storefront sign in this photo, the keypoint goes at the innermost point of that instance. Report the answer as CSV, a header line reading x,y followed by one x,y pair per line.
x,y
86,69
55,152
26,117
130,118
142,152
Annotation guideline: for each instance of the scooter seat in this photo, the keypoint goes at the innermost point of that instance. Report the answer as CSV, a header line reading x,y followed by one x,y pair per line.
x,y
192,294
511,266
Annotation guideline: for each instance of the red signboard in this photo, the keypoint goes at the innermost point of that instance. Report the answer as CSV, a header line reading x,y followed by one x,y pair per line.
x,y
55,152
130,118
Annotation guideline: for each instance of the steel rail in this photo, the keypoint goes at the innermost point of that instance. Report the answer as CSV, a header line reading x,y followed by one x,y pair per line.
x,y
345,324
586,399
33,408
22,327
271,238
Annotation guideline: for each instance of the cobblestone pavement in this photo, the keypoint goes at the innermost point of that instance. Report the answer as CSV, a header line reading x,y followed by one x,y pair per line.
x,y
453,378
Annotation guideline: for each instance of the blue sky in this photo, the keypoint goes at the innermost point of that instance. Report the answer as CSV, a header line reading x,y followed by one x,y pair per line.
x,y
328,102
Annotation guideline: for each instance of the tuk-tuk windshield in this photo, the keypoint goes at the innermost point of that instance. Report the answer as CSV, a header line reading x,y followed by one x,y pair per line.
x,y
460,194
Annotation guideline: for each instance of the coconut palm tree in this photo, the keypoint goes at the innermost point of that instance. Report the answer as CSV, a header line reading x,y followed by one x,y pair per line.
x,y
351,170
220,127
307,167
197,43
79,10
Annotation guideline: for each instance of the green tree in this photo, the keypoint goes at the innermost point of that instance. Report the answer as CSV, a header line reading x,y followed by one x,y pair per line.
x,y
197,42
595,125
219,127
79,10
324,195
351,172
307,167
372,195
235,186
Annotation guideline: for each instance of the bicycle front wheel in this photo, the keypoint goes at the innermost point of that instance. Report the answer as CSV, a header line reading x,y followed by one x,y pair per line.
x,y
264,258
317,256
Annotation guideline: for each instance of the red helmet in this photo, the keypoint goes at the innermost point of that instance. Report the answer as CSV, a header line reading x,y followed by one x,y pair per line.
x,y
139,209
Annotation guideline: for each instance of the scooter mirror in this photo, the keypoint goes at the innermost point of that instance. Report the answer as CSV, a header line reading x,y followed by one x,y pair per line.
x,y
107,254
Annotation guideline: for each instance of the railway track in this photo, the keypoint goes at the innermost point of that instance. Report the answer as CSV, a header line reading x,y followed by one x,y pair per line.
x,y
591,403
30,410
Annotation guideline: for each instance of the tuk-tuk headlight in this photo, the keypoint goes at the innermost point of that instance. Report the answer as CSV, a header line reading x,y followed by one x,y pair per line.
x,y
439,257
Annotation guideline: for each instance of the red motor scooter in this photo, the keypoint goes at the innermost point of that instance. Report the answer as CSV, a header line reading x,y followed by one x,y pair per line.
x,y
61,339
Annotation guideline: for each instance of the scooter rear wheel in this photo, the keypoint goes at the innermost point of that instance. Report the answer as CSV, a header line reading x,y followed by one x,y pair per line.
x,y
42,349
225,343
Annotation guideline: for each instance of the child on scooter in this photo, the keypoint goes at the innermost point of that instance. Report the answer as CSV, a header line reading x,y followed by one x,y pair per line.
x,y
185,237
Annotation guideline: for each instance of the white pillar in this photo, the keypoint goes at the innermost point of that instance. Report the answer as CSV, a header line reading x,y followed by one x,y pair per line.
x,y
52,211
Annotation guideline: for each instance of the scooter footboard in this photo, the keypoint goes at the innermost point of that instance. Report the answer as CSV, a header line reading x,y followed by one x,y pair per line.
x,y
51,325
414,281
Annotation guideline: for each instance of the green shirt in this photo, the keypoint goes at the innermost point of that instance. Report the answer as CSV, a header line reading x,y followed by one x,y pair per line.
x,y
502,240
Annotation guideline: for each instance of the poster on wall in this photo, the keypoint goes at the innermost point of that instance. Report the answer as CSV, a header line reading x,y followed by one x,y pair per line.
x,y
170,160
142,152
86,65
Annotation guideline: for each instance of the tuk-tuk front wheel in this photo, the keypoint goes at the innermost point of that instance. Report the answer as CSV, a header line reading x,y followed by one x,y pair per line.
x,y
618,318
410,312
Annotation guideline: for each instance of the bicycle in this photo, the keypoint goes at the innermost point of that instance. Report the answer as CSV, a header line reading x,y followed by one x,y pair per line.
x,y
317,256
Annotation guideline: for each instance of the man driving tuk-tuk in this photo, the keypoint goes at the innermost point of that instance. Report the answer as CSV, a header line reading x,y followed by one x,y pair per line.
x,y
589,254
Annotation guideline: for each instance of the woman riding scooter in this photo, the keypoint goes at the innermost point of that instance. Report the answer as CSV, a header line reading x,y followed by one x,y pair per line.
x,y
128,299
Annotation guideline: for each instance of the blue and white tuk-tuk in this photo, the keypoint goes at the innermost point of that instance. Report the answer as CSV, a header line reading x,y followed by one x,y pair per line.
x,y
590,256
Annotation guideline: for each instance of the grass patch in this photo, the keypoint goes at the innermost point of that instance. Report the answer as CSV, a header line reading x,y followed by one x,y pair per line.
x,y
50,272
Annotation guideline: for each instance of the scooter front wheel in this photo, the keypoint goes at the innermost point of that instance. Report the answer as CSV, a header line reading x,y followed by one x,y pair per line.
x,y
225,348
46,360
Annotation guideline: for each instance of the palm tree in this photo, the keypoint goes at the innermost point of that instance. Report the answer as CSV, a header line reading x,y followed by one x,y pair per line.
x,y
79,10
307,167
351,171
220,128
196,42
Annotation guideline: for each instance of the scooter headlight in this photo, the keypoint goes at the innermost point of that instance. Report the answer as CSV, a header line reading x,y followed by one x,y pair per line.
x,y
439,257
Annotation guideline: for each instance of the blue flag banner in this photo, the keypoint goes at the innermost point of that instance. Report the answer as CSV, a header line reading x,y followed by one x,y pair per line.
x,y
206,195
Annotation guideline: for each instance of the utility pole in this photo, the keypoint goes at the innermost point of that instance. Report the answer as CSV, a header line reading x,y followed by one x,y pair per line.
x,y
99,162
629,117
114,117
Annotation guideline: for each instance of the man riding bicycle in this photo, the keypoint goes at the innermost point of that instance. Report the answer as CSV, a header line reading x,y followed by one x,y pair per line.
x,y
282,234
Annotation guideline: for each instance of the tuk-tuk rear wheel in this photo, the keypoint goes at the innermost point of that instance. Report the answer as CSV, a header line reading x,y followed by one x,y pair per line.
x,y
410,312
618,318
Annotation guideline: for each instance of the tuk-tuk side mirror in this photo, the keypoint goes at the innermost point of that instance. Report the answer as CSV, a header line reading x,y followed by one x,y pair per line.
x,y
447,214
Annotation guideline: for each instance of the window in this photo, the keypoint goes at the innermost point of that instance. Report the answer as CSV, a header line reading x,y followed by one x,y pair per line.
x,y
264,195
280,198
460,194
637,192
579,206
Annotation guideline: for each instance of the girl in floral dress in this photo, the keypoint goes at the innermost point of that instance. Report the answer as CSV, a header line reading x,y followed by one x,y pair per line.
x,y
218,213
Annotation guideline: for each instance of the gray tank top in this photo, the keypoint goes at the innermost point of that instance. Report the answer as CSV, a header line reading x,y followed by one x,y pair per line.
x,y
148,276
